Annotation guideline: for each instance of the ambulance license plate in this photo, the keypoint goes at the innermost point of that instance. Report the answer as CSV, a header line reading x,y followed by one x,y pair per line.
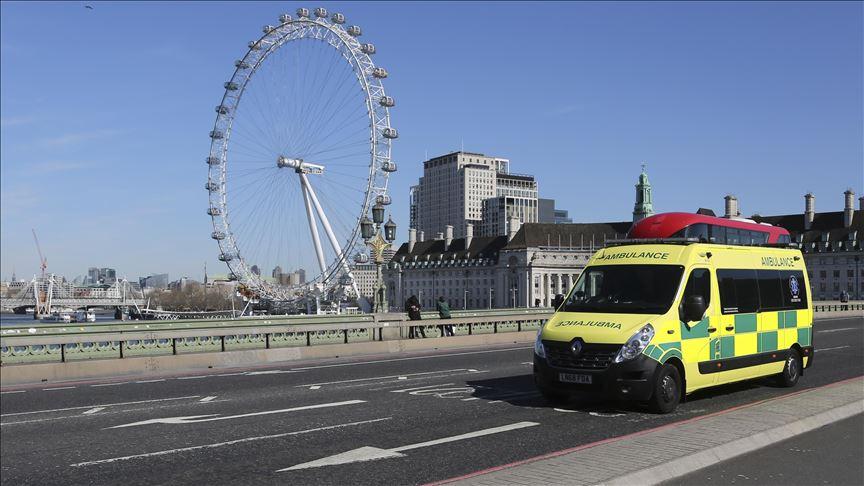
x,y
574,378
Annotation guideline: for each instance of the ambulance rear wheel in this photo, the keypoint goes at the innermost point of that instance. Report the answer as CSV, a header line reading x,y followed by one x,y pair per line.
x,y
791,370
667,390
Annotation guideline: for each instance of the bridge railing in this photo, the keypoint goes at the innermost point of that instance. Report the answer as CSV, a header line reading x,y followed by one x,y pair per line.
x,y
46,343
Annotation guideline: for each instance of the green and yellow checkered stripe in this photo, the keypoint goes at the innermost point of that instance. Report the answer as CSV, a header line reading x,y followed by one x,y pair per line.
x,y
778,330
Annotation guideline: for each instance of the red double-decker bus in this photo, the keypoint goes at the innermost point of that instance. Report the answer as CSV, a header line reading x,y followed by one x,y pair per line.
x,y
709,229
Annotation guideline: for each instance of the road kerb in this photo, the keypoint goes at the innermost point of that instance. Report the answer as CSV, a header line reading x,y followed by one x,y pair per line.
x,y
730,450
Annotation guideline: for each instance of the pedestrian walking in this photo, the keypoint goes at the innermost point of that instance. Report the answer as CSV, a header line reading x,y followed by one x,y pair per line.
x,y
412,307
444,313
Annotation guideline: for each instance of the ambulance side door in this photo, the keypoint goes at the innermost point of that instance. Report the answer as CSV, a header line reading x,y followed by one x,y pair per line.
x,y
696,335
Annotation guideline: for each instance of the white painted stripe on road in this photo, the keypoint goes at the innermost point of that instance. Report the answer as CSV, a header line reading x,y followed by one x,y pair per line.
x,y
193,377
381,378
193,419
59,388
267,372
231,374
838,330
93,410
111,384
99,405
412,358
832,349
150,381
13,391
406,390
207,399
469,435
228,443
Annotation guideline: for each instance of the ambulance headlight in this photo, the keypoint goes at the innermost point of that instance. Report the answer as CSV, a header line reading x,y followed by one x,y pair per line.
x,y
636,344
539,350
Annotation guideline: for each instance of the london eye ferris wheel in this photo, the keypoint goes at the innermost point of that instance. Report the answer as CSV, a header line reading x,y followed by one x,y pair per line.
x,y
299,152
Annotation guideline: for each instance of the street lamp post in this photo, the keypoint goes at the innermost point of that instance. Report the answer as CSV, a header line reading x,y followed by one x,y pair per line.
x,y
465,300
371,232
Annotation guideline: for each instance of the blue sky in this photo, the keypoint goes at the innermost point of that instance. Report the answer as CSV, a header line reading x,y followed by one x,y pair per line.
x,y
105,112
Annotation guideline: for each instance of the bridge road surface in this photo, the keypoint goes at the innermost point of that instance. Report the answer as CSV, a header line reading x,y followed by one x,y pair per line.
x,y
417,418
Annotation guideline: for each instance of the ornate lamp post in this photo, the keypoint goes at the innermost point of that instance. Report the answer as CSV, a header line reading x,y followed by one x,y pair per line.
x,y
371,232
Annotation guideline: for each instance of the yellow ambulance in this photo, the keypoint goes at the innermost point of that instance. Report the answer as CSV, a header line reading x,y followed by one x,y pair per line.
x,y
655,321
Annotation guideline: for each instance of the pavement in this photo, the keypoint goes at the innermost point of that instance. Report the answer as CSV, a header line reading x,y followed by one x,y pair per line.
x,y
799,460
412,418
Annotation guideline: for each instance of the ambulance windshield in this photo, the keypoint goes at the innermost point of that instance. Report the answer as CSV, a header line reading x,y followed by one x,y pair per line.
x,y
625,289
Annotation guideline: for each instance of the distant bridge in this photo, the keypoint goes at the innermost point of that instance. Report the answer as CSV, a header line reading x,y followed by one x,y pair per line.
x,y
46,294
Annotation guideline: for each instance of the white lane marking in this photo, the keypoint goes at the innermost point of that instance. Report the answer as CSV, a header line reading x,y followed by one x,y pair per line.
x,y
268,372
231,374
213,417
838,330
314,387
410,358
469,399
99,405
379,378
227,443
193,377
92,410
150,381
58,388
832,349
111,384
402,378
207,399
13,391
419,388
372,453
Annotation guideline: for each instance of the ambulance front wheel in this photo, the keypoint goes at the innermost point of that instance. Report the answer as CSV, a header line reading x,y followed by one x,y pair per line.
x,y
667,390
791,370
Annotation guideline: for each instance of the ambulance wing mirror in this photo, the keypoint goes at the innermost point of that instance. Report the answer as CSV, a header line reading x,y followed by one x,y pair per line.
x,y
693,308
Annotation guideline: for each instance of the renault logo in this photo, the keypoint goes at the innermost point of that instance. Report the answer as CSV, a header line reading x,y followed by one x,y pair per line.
x,y
576,347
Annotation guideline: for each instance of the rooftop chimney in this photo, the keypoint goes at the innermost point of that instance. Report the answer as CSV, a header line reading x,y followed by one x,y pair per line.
x,y
809,210
861,203
421,236
848,207
731,206
469,235
439,236
448,236
513,226
412,239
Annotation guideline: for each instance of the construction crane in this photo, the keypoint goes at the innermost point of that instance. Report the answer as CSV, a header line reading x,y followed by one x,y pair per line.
x,y
43,262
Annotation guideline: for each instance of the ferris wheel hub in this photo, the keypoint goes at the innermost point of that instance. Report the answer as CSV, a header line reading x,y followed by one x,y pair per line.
x,y
299,165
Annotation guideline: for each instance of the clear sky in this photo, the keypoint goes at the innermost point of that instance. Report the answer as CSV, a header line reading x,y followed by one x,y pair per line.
x,y
105,112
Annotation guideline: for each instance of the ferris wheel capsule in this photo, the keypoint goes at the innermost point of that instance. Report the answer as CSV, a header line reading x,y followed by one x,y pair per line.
x,y
255,45
241,64
387,101
267,29
216,135
226,257
320,12
390,133
354,31
388,166
217,235
379,73
285,18
383,199
303,13
214,211
361,258
211,186
338,18
231,86
213,160
368,48
222,110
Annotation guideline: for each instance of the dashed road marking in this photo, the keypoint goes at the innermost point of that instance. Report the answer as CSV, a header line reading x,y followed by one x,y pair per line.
x,y
111,384
832,349
151,381
12,391
59,388
389,377
207,399
99,405
92,410
838,330
419,388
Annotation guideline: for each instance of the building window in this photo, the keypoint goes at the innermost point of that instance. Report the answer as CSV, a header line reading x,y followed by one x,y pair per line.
x,y
823,274
836,273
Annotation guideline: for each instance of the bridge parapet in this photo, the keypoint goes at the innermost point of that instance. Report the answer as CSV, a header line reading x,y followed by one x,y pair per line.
x,y
46,343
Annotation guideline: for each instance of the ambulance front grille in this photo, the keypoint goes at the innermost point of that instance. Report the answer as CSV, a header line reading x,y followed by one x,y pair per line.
x,y
592,357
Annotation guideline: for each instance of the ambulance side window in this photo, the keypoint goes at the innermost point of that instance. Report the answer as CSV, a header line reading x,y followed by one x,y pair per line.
x,y
739,292
794,290
699,283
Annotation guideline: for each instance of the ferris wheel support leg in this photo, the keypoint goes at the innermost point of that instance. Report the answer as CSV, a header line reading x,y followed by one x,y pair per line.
x,y
328,230
316,240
